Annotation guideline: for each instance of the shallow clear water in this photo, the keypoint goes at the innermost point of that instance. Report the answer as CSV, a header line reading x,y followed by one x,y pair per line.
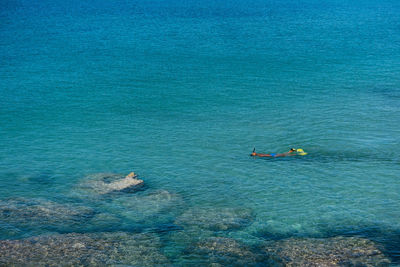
x,y
181,91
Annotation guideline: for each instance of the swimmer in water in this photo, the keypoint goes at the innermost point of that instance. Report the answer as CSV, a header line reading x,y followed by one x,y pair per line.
x,y
274,155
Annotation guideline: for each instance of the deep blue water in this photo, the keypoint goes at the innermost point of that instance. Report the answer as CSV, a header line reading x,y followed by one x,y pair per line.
x,y
181,91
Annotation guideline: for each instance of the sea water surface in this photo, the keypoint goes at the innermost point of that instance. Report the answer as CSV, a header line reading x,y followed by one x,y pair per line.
x,y
180,92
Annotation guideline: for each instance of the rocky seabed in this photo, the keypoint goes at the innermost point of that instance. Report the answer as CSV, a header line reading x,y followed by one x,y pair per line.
x,y
142,225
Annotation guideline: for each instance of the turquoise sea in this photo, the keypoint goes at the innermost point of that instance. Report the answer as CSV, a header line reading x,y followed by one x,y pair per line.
x,y
180,92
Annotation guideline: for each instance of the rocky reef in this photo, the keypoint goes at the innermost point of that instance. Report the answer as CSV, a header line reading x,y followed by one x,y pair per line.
x,y
105,183
73,249
335,251
221,251
216,219
28,213
205,236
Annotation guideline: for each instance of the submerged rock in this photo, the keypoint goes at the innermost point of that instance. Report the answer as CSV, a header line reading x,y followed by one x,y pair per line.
x,y
216,219
21,212
148,206
177,242
336,251
221,251
104,183
99,249
151,210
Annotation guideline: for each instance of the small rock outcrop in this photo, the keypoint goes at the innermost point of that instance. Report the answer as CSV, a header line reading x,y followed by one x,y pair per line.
x,y
104,183
336,251
101,249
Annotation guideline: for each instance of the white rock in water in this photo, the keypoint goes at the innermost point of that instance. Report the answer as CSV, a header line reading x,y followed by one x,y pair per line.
x,y
130,181
107,183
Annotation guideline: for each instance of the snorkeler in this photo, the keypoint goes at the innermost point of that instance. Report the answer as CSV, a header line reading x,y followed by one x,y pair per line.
x,y
275,155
